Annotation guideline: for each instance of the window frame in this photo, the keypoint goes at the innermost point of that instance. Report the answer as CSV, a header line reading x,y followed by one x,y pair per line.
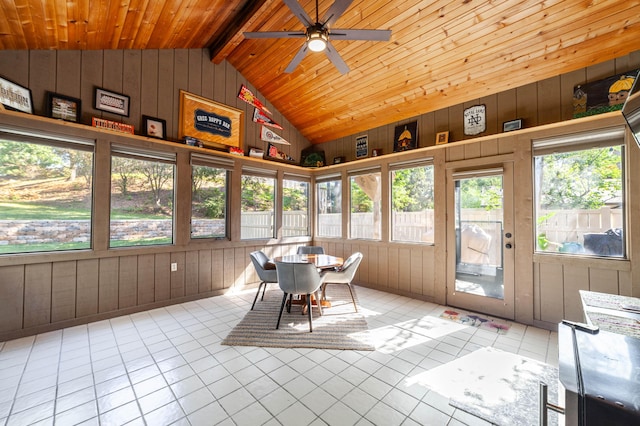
x,y
225,164
575,142
302,179
326,179
264,174
352,174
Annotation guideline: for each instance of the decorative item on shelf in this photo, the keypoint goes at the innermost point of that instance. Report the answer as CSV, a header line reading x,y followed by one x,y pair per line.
x,y
405,137
154,127
338,160
236,151
262,118
268,136
608,94
15,97
63,107
214,124
256,153
311,158
102,123
248,96
113,102
442,138
274,153
362,146
376,152
509,126
188,140
475,120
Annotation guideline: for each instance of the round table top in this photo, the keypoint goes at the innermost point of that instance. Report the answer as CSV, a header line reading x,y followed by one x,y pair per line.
x,y
319,260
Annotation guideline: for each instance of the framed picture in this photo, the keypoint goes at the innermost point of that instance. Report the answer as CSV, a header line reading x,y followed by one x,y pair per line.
x,y
442,138
362,146
214,124
405,137
475,120
509,126
338,160
311,158
15,97
154,127
63,107
113,102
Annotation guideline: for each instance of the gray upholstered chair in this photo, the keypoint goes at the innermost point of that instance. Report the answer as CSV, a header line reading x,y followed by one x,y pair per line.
x,y
344,275
266,272
310,250
302,279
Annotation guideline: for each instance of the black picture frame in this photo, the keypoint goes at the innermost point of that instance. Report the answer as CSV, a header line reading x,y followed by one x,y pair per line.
x,y
116,103
405,137
311,158
153,127
510,126
15,97
63,107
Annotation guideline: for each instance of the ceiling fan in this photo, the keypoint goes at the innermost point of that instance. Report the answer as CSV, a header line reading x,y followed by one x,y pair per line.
x,y
318,33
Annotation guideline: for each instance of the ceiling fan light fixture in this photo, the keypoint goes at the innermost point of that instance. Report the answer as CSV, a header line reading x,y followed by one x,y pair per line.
x,y
317,40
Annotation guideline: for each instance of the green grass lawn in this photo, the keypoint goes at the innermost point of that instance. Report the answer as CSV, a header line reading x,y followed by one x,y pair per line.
x,y
24,210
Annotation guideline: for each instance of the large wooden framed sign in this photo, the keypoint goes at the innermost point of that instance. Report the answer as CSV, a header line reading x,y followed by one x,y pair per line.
x,y
212,123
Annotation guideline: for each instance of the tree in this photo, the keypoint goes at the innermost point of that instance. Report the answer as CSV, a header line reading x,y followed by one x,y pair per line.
x,y
257,194
583,179
157,175
30,160
413,189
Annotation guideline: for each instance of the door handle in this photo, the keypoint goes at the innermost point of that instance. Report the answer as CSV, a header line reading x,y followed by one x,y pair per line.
x,y
508,245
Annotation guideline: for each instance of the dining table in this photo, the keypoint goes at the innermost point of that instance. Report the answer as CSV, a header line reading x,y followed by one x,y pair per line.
x,y
321,261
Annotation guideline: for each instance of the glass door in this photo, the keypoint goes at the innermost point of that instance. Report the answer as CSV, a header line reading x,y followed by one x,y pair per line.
x,y
480,241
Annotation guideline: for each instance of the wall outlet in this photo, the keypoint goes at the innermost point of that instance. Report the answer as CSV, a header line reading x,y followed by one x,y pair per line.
x,y
174,267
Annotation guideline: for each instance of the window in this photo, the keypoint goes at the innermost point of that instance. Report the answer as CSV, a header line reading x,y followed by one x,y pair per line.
x,y
257,205
412,203
366,214
142,197
329,217
579,194
45,192
209,180
295,207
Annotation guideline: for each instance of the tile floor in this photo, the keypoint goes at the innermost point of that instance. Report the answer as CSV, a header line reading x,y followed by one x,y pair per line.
x,y
166,366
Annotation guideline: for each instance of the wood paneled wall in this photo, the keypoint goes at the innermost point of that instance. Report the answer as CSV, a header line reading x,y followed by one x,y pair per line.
x,y
151,78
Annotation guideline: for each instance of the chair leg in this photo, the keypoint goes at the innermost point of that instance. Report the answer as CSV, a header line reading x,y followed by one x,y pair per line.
x,y
352,298
318,302
257,293
284,299
309,308
264,290
289,304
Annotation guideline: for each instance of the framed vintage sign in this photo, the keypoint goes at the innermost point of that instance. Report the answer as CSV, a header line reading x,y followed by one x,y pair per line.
x,y
475,120
63,107
15,97
154,127
116,103
362,146
212,123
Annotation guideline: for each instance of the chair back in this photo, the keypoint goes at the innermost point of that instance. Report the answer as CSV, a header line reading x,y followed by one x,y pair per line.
x,y
310,250
350,266
260,261
298,278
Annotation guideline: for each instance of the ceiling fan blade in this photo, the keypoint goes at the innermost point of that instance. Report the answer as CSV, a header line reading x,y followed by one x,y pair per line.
x,y
335,11
337,60
375,35
296,59
299,12
275,34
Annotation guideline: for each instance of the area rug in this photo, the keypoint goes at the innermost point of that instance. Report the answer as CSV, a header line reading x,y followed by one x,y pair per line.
x,y
475,320
497,386
340,327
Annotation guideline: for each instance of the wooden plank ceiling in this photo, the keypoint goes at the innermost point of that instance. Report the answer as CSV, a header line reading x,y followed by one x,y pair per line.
x,y
441,52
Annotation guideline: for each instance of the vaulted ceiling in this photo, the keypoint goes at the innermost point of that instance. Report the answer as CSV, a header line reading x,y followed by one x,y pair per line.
x,y
441,52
